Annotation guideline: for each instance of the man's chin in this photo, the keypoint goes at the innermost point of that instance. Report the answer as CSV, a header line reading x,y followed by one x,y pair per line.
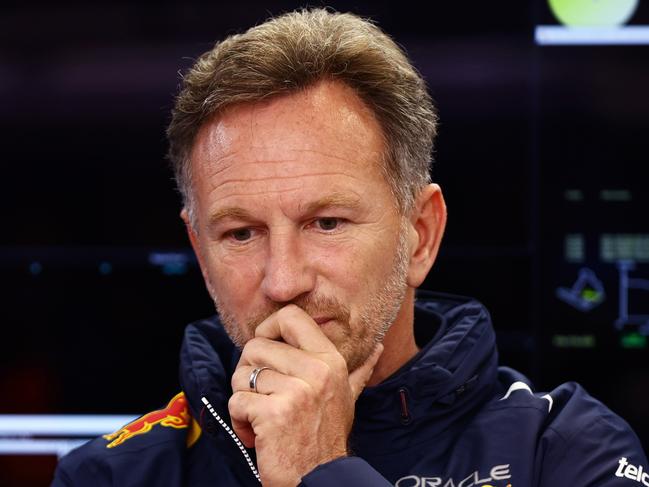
x,y
358,358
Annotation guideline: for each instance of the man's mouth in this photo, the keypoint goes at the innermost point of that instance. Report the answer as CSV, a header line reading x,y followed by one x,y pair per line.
x,y
321,320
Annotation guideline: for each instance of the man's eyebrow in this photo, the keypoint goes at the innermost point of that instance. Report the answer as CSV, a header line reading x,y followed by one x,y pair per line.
x,y
228,212
329,201
333,201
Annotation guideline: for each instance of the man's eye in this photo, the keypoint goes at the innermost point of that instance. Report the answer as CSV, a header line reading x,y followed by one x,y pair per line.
x,y
241,234
328,224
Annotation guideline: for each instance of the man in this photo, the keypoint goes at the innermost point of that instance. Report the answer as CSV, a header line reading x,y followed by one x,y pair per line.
x,y
302,149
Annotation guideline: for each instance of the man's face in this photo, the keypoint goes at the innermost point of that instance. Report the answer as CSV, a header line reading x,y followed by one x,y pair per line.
x,y
292,207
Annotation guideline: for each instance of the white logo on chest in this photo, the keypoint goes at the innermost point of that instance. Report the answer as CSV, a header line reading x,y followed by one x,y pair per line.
x,y
474,479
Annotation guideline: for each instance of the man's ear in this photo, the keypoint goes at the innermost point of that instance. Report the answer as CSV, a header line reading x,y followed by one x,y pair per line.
x,y
194,240
427,223
191,233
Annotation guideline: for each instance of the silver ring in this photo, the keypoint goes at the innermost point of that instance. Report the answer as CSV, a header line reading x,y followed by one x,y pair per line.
x,y
253,377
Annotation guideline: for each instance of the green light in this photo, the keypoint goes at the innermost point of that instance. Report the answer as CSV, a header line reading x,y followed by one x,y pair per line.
x,y
574,341
593,13
591,295
633,340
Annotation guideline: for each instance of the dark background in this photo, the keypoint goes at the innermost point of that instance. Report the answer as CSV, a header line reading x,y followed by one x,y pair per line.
x,y
98,280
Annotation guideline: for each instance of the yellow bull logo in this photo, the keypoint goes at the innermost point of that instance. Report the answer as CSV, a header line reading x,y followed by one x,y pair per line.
x,y
175,415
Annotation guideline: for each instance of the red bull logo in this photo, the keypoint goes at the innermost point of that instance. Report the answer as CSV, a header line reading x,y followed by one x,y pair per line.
x,y
175,415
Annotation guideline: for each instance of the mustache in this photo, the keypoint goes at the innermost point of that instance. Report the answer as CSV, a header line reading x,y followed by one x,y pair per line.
x,y
313,305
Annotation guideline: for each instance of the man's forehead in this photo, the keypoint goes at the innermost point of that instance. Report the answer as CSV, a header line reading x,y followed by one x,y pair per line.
x,y
328,118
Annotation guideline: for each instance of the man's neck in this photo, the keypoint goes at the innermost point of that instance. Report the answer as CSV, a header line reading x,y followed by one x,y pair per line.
x,y
399,343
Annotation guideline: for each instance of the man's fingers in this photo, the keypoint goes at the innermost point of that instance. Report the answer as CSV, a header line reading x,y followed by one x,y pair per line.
x,y
271,353
294,326
284,358
269,381
244,408
358,378
245,432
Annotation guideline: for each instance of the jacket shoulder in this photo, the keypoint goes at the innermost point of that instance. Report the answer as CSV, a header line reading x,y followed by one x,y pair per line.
x,y
574,438
586,443
146,451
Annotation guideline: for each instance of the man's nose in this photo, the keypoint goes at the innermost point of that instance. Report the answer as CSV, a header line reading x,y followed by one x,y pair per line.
x,y
287,272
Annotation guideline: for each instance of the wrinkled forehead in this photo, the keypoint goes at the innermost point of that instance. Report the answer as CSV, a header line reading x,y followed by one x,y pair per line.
x,y
327,118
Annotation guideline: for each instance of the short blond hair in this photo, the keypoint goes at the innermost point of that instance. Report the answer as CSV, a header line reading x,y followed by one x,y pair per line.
x,y
294,51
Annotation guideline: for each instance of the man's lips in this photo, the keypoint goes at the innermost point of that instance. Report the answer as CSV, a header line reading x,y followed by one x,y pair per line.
x,y
321,320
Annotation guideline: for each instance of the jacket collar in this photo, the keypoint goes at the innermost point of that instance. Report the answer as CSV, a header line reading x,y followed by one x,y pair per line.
x,y
208,359
454,371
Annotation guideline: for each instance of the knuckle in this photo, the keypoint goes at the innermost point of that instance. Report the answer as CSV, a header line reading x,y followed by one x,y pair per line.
x,y
251,349
278,411
302,393
285,314
322,377
340,364
234,404
254,343
239,379
321,371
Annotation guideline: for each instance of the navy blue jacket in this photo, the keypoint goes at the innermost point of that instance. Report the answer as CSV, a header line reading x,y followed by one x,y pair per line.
x,y
450,417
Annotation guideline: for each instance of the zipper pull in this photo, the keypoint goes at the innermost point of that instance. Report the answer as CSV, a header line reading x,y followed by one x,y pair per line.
x,y
405,412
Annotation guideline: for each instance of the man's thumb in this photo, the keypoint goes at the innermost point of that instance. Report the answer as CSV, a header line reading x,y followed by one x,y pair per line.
x,y
359,377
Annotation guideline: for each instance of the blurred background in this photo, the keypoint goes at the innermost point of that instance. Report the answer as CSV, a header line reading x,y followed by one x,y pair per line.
x,y
542,144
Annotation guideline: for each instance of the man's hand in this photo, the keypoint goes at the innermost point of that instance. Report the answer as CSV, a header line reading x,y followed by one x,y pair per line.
x,y
302,414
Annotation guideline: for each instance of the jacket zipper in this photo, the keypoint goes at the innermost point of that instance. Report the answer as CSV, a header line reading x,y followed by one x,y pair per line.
x,y
234,437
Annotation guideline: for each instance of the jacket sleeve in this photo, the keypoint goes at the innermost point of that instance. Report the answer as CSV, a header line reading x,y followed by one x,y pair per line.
x,y
600,449
61,479
70,474
344,472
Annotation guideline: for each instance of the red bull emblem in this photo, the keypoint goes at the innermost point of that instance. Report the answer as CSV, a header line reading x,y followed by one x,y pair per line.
x,y
175,415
